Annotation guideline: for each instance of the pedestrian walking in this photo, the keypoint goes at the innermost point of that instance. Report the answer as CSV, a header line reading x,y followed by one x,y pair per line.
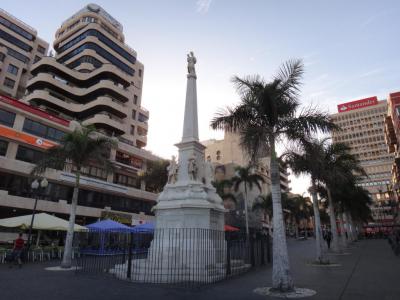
x,y
328,238
19,244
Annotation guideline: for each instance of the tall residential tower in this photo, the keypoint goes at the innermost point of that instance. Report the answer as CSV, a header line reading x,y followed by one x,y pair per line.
x,y
94,77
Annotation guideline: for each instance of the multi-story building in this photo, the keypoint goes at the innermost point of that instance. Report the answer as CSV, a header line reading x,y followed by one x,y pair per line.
x,y
20,47
229,152
363,123
226,155
96,79
392,138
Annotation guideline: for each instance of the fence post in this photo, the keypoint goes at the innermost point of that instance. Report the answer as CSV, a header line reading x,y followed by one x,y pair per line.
x,y
252,257
262,240
129,272
228,258
268,248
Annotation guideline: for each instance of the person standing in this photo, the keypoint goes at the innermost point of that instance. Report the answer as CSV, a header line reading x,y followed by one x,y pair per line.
x,y
328,238
18,248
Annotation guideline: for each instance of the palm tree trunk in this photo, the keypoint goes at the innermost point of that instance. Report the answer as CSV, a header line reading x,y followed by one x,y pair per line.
x,y
348,227
281,278
343,230
246,213
332,218
67,256
318,232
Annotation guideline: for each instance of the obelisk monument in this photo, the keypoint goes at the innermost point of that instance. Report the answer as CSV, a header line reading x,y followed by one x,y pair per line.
x,y
189,200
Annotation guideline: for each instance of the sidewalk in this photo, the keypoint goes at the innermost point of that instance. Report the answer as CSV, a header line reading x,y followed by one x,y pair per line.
x,y
370,272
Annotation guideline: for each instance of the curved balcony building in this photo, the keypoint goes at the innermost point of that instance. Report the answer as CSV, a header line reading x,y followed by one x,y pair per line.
x,y
94,77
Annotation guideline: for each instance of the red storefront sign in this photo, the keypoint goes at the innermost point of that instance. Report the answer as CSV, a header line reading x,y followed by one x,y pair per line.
x,y
33,110
25,138
357,104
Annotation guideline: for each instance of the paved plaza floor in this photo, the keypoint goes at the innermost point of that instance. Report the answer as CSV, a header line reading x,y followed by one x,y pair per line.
x,y
369,272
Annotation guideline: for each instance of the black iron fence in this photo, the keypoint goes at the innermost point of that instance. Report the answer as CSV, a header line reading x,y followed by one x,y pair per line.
x,y
172,256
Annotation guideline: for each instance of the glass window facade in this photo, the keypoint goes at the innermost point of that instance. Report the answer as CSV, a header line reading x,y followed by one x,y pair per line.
x,y
126,180
8,82
17,29
13,40
42,130
12,69
20,186
3,147
7,118
92,32
28,154
100,51
41,49
85,59
16,54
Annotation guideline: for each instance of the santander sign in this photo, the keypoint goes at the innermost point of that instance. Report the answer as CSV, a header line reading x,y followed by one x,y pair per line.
x,y
357,104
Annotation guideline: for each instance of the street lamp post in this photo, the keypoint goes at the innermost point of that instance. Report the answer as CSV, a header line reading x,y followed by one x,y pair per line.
x,y
36,186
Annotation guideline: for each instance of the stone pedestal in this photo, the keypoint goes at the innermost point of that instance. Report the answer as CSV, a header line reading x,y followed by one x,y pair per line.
x,y
189,241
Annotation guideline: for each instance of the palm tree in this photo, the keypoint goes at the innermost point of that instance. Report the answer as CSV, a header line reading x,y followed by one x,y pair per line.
x,y
354,203
267,114
80,148
246,177
309,159
341,167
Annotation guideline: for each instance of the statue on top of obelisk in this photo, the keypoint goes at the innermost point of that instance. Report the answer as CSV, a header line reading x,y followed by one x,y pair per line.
x,y
191,59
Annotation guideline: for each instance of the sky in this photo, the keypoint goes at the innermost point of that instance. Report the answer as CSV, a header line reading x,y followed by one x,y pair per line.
x,y
350,50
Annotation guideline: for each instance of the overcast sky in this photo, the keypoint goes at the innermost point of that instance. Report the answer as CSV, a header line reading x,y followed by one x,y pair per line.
x,y
350,50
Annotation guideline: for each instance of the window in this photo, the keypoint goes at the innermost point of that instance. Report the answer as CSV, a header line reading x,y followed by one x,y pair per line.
x,y
16,54
134,114
9,83
41,49
7,118
12,69
132,129
2,56
92,32
42,130
218,155
3,147
16,29
140,72
85,59
92,171
28,154
102,52
135,99
36,59
126,180
13,40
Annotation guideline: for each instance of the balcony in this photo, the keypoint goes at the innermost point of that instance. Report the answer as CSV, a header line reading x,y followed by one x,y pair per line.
x,y
106,121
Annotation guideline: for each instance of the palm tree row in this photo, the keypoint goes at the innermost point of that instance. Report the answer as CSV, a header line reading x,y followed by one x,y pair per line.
x,y
268,113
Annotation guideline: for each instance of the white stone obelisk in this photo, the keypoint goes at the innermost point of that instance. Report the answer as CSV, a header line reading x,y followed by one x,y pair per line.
x,y
189,242
190,201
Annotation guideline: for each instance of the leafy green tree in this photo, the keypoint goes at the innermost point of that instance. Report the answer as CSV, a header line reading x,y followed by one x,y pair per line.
x,y
81,148
156,175
246,177
269,113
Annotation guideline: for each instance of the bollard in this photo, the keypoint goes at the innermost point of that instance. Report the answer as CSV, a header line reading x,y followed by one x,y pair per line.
x,y
228,258
129,272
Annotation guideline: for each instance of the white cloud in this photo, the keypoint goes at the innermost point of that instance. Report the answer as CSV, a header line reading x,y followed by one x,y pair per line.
x,y
202,6
371,72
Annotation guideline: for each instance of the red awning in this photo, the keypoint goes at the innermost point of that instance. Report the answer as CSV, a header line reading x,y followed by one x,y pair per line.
x,y
230,228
